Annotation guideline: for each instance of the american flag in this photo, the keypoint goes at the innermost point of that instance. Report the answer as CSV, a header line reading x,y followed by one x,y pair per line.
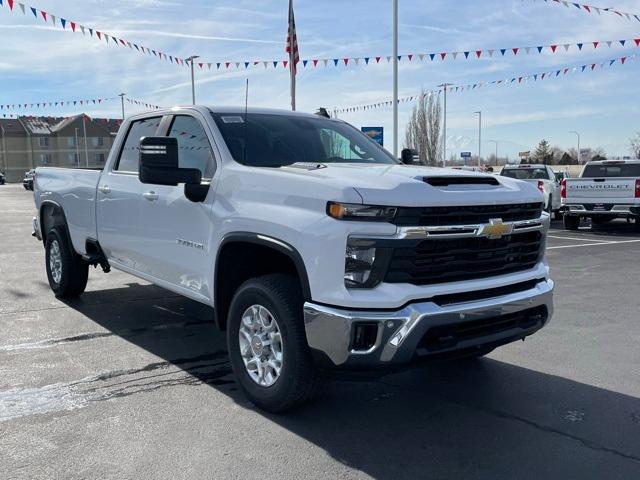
x,y
292,41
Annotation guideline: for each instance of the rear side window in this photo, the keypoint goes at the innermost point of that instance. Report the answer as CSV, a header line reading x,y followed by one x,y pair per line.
x,y
194,150
526,173
130,153
612,170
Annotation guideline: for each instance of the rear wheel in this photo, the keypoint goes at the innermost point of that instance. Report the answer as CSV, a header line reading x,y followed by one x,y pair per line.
x,y
267,343
571,222
66,271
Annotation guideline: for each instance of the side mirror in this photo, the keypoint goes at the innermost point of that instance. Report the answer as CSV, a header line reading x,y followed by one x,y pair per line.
x,y
159,163
409,156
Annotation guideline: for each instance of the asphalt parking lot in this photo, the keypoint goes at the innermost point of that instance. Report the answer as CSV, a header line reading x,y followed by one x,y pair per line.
x,y
132,381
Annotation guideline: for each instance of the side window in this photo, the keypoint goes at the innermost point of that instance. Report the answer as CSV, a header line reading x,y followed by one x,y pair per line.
x,y
129,155
194,149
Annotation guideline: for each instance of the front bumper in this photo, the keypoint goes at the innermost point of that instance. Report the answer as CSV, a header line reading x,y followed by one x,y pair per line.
x,y
426,328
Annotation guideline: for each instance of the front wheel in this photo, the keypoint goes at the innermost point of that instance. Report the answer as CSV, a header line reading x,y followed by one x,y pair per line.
x,y
267,343
66,271
571,222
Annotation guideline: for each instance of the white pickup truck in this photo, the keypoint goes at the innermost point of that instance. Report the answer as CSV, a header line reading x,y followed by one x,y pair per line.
x,y
606,189
316,248
543,177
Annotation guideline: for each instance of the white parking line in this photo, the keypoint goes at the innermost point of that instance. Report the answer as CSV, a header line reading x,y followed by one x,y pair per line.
x,y
574,238
592,244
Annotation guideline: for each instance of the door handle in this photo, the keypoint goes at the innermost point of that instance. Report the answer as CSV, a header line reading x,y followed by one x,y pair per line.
x,y
105,189
151,196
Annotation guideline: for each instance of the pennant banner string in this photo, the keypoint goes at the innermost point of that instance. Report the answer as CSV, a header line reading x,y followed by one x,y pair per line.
x,y
313,63
518,79
53,103
595,10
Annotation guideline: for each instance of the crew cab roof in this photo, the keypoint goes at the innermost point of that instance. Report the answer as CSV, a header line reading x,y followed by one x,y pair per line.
x,y
526,165
613,162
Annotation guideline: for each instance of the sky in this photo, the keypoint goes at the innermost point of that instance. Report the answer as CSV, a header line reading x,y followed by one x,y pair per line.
x,y
42,63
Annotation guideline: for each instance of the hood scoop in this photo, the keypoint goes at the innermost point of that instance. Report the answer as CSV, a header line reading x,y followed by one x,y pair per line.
x,y
460,180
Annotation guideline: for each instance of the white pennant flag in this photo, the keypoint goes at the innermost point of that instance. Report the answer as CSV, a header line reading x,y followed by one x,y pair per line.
x,y
53,19
627,15
388,59
82,29
455,54
609,43
237,64
325,61
22,7
421,56
566,4
597,10
566,46
129,44
357,60
490,53
265,64
209,65
526,49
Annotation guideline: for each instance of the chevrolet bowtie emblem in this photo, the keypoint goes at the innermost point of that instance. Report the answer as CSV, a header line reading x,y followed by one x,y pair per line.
x,y
496,229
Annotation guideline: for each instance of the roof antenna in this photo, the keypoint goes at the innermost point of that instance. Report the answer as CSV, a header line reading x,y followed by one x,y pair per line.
x,y
246,112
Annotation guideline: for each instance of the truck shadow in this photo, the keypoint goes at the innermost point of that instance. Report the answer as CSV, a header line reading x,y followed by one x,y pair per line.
x,y
472,419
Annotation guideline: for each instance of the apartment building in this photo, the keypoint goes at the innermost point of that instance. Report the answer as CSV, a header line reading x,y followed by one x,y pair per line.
x,y
30,142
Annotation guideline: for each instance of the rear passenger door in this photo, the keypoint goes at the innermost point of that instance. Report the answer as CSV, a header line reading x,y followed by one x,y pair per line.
x,y
120,232
179,230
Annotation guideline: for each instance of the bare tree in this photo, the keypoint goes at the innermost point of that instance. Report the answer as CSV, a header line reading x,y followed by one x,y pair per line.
x,y
423,130
635,145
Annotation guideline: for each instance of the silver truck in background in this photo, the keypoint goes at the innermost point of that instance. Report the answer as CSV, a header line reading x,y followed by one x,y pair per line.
x,y
606,190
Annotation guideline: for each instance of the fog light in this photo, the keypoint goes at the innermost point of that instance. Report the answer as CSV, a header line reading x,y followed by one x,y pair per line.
x,y
365,335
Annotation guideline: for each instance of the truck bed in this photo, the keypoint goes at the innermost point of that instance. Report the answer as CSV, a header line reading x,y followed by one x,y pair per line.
x,y
74,189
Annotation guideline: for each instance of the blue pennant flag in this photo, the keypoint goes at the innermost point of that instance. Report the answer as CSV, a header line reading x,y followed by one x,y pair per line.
x,y
366,60
535,77
540,49
622,42
91,31
399,57
432,56
611,62
246,64
335,61
579,46
275,64
583,67
502,51
218,65
557,73
64,23
466,54
136,47
304,63
35,12
578,6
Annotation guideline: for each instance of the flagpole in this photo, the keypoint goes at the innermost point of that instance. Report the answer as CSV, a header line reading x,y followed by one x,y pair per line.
x,y
395,78
292,56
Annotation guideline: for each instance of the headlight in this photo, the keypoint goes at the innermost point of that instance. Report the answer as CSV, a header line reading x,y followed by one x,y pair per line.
x,y
365,263
354,211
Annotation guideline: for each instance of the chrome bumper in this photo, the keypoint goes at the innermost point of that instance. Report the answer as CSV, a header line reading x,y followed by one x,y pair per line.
x,y
616,211
329,330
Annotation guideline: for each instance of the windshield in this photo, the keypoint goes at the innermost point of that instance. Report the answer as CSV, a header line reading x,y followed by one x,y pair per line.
x,y
612,170
526,173
273,140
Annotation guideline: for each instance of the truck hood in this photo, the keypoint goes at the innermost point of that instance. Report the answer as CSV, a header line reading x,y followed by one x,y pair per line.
x,y
405,185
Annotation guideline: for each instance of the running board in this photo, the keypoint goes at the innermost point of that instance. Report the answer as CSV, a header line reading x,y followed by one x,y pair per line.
x,y
95,256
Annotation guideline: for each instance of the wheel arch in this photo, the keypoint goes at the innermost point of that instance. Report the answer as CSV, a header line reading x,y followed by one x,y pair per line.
x,y
250,249
52,215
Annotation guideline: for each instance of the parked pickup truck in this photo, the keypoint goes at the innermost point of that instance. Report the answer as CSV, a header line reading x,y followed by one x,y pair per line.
x,y
316,248
605,190
541,176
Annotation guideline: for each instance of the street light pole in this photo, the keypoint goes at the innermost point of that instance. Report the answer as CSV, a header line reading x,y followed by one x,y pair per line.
x,y
493,141
578,154
479,136
395,78
77,149
122,101
444,131
193,79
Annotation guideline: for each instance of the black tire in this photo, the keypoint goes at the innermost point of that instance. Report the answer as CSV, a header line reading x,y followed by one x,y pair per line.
x,y
571,222
281,295
72,279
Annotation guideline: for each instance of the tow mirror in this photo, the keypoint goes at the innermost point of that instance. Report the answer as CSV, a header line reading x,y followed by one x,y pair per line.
x,y
409,156
159,163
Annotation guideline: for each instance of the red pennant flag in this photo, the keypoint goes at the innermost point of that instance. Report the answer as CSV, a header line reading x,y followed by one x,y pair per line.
x,y
226,64
44,15
478,53
637,40
378,59
122,42
201,65
553,48
586,7
442,55
410,56
73,26
315,62
543,76
519,79
346,61
566,70
285,63
593,66
623,59
515,50
99,35
10,2
595,44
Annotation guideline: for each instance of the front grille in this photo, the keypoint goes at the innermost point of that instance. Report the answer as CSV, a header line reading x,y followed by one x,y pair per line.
x,y
470,215
445,337
442,260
